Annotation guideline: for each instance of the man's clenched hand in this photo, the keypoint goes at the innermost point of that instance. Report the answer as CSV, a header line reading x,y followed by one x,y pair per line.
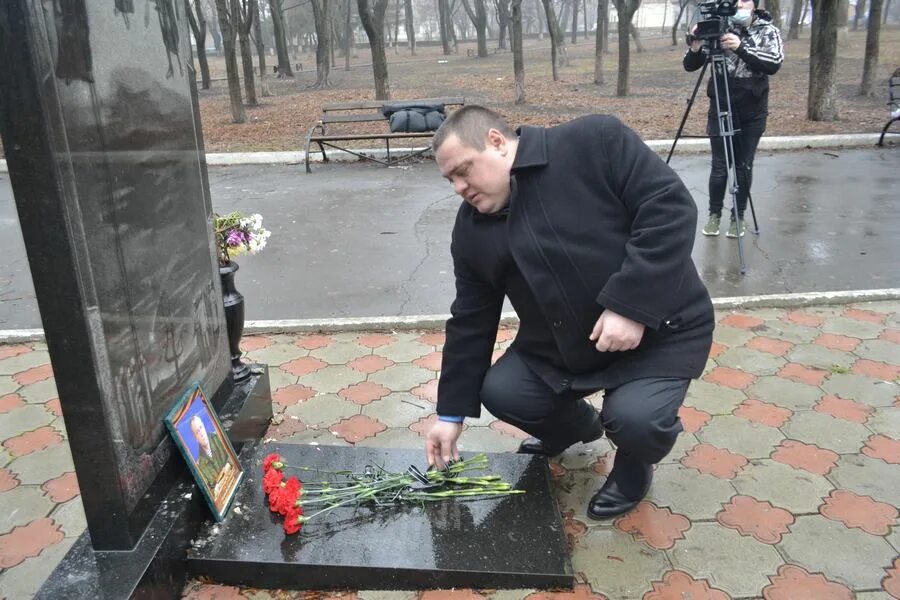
x,y
440,443
615,333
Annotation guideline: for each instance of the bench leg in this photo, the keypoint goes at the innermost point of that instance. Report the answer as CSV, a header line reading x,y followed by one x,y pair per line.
x,y
884,131
309,143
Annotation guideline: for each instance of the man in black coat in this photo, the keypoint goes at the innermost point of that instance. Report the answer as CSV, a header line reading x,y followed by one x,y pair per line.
x,y
589,235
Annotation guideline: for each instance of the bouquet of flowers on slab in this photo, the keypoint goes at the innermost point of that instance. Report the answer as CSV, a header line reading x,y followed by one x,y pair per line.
x,y
238,234
299,502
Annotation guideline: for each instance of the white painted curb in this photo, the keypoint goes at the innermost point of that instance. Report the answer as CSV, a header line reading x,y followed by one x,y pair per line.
x,y
10,336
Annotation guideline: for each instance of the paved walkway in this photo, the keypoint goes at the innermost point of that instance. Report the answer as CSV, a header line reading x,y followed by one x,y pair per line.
x,y
785,484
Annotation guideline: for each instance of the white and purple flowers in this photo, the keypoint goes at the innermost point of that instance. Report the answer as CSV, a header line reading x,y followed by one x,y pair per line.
x,y
237,234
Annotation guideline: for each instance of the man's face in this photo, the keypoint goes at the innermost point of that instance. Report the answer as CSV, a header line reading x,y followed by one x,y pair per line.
x,y
481,177
200,434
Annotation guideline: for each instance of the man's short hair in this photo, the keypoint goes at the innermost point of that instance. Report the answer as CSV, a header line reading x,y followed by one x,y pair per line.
x,y
471,125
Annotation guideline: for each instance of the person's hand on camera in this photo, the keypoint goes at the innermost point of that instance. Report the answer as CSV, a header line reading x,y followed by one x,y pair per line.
x,y
696,44
440,443
615,333
730,41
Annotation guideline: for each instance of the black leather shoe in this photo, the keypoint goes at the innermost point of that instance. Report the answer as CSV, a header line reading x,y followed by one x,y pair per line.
x,y
626,486
533,445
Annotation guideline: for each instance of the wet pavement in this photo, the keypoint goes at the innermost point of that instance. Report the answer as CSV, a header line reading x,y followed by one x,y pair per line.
x,y
358,240
783,484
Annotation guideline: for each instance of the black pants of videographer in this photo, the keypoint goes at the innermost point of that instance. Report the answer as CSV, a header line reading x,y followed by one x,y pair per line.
x,y
746,139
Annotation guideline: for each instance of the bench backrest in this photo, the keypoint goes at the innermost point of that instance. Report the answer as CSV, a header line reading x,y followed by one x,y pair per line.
x,y
370,110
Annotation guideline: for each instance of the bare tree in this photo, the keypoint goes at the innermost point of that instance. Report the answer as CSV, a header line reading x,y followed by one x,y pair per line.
x,y
843,20
682,4
260,49
213,23
198,27
859,12
598,43
574,39
557,43
322,17
372,18
515,39
284,59
636,36
626,10
822,51
444,24
796,19
478,16
774,8
229,37
410,27
502,10
605,33
244,23
870,67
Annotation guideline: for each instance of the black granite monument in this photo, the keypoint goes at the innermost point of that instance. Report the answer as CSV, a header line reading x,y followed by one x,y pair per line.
x,y
101,130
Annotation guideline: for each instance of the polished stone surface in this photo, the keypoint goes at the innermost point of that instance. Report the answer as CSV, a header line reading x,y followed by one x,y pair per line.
x,y
512,542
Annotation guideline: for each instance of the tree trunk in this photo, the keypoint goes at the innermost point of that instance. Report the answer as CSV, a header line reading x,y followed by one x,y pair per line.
x,y
574,38
626,10
598,44
229,35
281,47
886,11
682,5
515,39
843,20
444,24
198,27
540,18
373,22
245,24
606,25
502,22
859,12
348,35
822,52
478,16
774,8
410,27
796,15
322,18
637,38
870,67
584,10
397,27
557,41
215,30
260,49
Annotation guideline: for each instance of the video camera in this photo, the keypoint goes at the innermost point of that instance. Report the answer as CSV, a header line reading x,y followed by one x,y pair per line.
x,y
714,20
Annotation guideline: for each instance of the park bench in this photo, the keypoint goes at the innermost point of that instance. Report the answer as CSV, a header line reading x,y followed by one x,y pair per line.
x,y
333,128
893,104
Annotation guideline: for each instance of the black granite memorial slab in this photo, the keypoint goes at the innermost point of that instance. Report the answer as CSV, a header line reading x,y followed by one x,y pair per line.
x,y
511,542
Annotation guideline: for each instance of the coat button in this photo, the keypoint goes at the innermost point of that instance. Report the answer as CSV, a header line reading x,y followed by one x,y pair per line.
x,y
557,324
565,382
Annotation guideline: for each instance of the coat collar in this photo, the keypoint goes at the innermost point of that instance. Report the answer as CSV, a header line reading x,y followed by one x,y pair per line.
x,y
532,150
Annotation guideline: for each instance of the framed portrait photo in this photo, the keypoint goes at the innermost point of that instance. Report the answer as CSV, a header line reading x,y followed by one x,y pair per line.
x,y
197,432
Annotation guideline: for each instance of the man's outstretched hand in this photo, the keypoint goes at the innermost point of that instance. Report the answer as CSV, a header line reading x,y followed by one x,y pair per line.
x,y
440,443
615,333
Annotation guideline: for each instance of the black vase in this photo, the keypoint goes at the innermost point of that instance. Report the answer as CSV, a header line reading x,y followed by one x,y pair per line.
x,y
234,319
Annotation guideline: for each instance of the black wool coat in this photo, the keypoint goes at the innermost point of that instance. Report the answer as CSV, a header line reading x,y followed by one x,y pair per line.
x,y
596,220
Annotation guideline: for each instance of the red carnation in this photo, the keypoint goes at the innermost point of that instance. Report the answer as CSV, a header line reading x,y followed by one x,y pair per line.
x,y
292,522
272,458
275,497
272,480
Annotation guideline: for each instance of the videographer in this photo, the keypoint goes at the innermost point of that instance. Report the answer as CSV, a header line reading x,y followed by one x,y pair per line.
x,y
753,51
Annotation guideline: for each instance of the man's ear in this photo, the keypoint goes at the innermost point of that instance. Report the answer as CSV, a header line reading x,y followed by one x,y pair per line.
x,y
495,139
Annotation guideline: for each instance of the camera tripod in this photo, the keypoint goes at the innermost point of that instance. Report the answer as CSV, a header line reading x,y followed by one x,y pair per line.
x,y
725,122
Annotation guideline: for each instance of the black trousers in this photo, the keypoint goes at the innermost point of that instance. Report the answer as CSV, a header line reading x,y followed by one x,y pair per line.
x,y
745,142
640,417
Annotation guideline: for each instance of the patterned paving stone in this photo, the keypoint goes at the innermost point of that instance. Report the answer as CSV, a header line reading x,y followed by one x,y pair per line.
x,y
507,429
392,595
865,314
741,321
713,399
728,560
585,456
783,486
357,428
25,418
890,335
678,585
10,402
24,580
27,541
837,342
277,354
8,385
23,362
364,392
403,351
370,364
732,336
805,318
313,341
435,339
693,419
716,349
21,506
852,328
398,410
574,490
39,392
794,333
867,477
875,370
62,488
730,377
884,448
763,413
685,491
396,438
657,527
485,439
714,461
770,345
32,441
885,421
5,458
758,519
290,395
793,582
814,355
787,394
38,467
431,361
841,408
616,565
8,480
891,581
323,410
825,431
285,428
683,444
332,379
862,389
803,374
820,545
751,361
401,377
70,517
860,512
879,350
8,351
740,436
323,437
279,378
304,366
807,457
375,340
340,353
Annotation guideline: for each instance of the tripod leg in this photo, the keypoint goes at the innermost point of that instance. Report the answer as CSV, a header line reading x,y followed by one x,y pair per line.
x,y
687,111
753,213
